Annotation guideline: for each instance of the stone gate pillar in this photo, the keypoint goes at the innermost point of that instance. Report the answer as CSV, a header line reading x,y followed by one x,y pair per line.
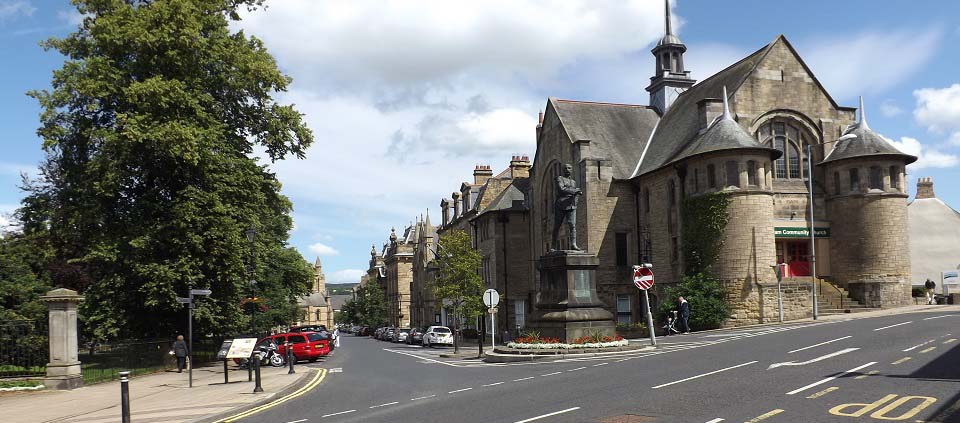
x,y
63,370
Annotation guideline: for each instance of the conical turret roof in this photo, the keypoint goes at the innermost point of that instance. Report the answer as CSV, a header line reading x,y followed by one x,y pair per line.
x,y
860,141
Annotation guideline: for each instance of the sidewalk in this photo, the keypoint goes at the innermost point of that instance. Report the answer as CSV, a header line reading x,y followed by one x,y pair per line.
x,y
160,397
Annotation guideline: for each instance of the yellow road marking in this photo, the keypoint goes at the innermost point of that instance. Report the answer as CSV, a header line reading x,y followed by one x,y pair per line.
x,y
321,373
870,373
901,360
928,350
764,416
823,392
950,340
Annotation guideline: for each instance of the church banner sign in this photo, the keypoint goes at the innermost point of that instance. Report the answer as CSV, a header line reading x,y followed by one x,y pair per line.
x,y
784,232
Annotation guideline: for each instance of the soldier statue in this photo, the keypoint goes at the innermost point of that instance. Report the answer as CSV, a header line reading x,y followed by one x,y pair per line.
x,y
565,207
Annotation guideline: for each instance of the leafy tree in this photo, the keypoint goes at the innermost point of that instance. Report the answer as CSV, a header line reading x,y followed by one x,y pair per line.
x,y
707,298
704,219
458,281
366,308
148,180
22,280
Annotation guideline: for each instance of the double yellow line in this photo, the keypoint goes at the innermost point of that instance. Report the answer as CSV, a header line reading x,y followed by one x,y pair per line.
x,y
321,373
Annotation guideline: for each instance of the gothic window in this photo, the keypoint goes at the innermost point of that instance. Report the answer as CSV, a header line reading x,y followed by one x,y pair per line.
x,y
711,176
621,244
752,173
876,178
895,177
733,174
855,180
791,141
836,183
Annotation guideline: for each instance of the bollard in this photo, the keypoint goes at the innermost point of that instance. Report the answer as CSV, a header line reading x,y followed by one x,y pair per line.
x,y
250,369
226,373
290,357
124,397
256,371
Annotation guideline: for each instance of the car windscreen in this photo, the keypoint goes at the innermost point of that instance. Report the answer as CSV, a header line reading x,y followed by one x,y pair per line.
x,y
313,337
441,330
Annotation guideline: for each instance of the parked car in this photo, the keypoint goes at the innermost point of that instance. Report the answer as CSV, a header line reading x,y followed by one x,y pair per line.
x,y
415,337
309,328
401,334
388,334
308,346
437,335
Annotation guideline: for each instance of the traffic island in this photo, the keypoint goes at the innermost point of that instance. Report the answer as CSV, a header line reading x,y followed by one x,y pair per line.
x,y
505,354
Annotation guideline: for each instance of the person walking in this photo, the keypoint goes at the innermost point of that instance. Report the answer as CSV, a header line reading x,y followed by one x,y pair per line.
x,y
931,294
336,337
684,308
180,351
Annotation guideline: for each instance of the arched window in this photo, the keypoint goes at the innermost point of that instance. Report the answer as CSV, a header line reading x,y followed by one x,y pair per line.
x,y
711,176
836,183
733,174
895,177
696,180
855,180
789,139
876,178
752,173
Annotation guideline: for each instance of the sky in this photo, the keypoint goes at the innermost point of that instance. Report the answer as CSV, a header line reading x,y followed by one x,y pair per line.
x,y
405,97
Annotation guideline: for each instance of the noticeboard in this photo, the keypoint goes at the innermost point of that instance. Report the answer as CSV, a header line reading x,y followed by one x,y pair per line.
x,y
224,348
241,348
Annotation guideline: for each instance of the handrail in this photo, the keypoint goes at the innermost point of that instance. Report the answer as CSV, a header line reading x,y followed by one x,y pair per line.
x,y
839,292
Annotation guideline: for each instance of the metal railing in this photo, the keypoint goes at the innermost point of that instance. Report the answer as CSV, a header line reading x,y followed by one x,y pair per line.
x,y
103,362
840,295
23,348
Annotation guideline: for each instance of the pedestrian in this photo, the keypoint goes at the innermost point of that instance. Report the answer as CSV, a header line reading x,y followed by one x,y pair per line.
x,y
931,295
336,337
180,351
684,309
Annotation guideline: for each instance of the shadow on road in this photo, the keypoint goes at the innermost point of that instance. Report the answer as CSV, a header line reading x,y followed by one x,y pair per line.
x,y
944,368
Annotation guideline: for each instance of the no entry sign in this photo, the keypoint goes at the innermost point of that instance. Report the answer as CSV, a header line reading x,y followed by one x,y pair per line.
x,y
642,277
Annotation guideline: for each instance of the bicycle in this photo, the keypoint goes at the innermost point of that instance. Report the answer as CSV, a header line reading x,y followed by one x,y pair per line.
x,y
670,327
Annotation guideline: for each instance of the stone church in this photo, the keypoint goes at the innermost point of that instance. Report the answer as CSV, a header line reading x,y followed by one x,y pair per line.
x,y
753,130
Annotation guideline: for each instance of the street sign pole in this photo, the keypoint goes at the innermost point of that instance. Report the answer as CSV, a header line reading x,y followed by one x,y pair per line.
x,y
491,298
643,280
653,336
493,329
190,325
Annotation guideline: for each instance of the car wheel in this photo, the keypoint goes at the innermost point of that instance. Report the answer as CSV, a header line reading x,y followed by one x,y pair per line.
x,y
314,359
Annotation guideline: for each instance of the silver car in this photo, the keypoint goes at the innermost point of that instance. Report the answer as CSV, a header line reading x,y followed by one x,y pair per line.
x,y
401,334
437,335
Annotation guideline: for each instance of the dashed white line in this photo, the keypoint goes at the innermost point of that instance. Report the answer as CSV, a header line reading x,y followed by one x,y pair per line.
x,y
817,345
549,414
337,414
705,374
459,390
298,421
893,326
601,364
717,420
831,378
918,345
420,398
578,368
551,374
938,317
493,384
384,405
524,378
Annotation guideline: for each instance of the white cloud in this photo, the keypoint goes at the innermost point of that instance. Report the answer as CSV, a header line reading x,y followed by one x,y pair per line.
x,y
926,157
869,62
321,249
70,17
10,9
345,276
889,109
938,108
955,138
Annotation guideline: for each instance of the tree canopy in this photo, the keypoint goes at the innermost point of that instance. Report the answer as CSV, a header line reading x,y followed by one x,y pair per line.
x,y
366,308
150,131
459,284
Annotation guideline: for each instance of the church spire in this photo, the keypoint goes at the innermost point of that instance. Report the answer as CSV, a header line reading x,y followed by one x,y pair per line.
x,y
669,78
726,105
863,116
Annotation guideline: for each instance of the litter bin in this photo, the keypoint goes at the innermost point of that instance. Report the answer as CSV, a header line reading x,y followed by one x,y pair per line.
x,y
941,299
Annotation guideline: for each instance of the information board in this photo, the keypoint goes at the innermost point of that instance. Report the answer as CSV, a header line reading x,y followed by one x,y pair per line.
x,y
224,348
241,348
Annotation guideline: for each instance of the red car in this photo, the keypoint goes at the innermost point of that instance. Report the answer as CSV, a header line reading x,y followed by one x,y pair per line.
x,y
306,345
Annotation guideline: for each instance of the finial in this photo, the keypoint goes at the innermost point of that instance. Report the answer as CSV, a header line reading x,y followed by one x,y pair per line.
x,y
726,106
669,27
863,116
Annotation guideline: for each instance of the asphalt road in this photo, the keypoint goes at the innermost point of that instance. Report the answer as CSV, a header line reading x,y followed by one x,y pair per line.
x,y
903,367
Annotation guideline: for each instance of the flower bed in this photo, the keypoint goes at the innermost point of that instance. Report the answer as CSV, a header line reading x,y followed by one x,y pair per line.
x,y
538,343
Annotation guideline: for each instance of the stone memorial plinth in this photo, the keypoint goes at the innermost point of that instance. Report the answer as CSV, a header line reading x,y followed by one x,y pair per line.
x,y
567,304
63,370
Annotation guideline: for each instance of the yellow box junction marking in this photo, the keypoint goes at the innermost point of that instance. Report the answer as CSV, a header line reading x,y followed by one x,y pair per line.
x,y
927,350
892,404
902,360
321,373
870,373
823,392
765,416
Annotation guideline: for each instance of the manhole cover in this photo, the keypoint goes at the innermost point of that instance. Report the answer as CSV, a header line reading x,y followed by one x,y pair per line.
x,y
628,418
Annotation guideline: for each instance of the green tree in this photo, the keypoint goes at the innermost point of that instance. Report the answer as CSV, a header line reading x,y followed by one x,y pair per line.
x,y
366,308
707,298
22,280
459,282
149,177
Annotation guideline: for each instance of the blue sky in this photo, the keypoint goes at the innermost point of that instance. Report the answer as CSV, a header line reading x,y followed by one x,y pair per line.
x,y
405,100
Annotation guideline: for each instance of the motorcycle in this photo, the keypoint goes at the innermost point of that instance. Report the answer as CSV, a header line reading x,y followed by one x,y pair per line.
x,y
268,356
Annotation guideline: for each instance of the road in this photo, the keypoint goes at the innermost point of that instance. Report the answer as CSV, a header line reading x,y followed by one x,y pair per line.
x,y
903,367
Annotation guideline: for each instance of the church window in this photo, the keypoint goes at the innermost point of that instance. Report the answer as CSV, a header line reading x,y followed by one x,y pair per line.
x,y
711,176
733,174
876,178
791,140
621,241
696,180
752,173
895,177
836,183
624,315
855,180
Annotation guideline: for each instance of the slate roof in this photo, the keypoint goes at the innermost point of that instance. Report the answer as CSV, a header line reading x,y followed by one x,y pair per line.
x,y
337,301
866,144
312,300
723,135
616,131
511,198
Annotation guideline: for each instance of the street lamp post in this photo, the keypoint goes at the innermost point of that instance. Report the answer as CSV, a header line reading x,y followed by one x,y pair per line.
x,y
251,234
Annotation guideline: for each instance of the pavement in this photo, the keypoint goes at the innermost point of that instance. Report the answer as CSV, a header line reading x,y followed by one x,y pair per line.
x,y
158,397
887,365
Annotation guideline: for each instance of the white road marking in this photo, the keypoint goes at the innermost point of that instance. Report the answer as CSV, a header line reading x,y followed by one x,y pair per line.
x,y
717,420
705,374
919,345
937,317
601,364
893,326
493,384
420,398
551,374
384,405
817,345
420,357
821,358
337,414
831,378
459,390
549,414
298,421
578,368
525,378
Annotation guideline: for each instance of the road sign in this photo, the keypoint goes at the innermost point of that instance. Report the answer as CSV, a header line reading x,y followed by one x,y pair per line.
x,y
200,292
182,300
642,277
491,298
241,348
492,310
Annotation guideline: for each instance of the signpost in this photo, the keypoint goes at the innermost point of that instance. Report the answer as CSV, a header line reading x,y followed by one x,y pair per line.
x,y
779,270
189,302
222,355
643,279
491,298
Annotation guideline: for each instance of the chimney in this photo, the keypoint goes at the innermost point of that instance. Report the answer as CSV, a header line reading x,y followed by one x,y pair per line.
x,y
456,204
481,173
925,188
520,167
539,126
445,206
